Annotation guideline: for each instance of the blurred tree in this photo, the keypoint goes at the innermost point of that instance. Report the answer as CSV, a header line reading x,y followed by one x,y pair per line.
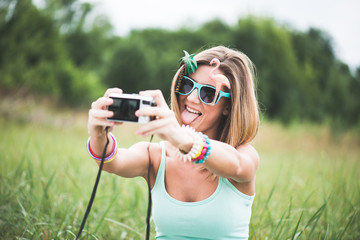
x,y
89,49
354,111
326,82
216,32
128,69
67,15
88,39
308,55
34,57
270,48
162,49
61,50
28,44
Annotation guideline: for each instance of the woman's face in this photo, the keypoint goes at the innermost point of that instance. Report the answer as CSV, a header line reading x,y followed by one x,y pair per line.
x,y
203,117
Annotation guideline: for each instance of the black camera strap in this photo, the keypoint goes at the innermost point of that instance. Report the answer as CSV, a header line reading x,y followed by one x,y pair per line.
x,y
149,192
97,183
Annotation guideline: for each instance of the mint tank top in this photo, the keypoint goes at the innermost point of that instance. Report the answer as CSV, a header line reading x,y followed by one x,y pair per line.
x,y
224,215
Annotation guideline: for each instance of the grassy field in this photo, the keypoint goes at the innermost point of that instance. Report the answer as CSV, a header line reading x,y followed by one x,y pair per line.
x,y
308,183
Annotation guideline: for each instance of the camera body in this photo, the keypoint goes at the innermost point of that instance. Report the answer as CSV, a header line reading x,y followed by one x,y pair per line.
x,y
125,105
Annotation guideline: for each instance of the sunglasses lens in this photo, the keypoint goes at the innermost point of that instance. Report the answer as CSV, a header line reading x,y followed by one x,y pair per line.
x,y
186,86
207,94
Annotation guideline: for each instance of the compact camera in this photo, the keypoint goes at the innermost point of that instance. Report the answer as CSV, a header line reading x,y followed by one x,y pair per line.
x,y
125,106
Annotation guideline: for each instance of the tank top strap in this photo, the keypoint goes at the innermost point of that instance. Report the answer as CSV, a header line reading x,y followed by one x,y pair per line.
x,y
160,177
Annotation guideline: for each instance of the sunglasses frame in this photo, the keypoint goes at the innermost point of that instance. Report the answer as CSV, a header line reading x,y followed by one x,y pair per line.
x,y
218,93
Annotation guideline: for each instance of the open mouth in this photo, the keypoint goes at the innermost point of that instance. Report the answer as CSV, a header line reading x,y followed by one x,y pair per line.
x,y
192,110
189,115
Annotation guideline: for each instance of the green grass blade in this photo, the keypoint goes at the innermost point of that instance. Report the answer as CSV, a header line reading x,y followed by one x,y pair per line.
x,y
315,217
268,199
110,205
124,226
280,222
297,234
327,232
19,167
46,188
348,224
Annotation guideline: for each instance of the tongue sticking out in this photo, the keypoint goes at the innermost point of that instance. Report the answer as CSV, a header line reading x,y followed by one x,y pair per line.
x,y
188,117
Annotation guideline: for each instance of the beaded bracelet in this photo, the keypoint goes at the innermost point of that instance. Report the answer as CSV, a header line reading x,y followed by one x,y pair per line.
x,y
194,149
200,150
110,157
201,147
193,152
206,150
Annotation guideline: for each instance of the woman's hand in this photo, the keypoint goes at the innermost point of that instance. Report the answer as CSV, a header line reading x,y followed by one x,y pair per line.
x,y
98,114
165,124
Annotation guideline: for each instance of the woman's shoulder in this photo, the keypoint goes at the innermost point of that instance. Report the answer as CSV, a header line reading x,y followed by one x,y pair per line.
x,y
249,151
155,151
147,149
152,149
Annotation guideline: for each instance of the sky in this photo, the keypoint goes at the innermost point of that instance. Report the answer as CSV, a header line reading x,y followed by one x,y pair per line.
x,y
339,18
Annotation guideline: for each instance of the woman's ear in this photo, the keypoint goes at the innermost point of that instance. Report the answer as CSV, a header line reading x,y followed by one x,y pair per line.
x,y
226,110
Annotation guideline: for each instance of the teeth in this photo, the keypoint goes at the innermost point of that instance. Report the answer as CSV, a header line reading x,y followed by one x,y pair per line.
x,y
192,111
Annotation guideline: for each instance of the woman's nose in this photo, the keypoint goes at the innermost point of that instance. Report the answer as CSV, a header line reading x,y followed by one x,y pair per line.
x,y
194,96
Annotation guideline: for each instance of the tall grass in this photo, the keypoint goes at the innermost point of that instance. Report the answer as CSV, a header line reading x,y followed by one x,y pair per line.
x,y
307,185
46,180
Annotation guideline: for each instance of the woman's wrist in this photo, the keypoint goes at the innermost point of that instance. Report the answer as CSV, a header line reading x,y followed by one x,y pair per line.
x,y
186,142
97,132
99,140
200,147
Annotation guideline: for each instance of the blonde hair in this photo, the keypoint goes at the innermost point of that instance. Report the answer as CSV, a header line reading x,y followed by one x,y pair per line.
x,y
241,124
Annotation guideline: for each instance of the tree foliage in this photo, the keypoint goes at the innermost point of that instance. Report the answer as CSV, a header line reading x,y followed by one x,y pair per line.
x,y
57,50
36,57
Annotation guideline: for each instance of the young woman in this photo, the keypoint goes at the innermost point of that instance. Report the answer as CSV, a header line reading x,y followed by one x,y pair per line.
x,y
203,177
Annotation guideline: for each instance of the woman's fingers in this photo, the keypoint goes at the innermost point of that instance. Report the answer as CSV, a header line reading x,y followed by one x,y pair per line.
x,y
98,116
113,90
155,111
102,103
158,127
98,113
157,95
101,122
165,121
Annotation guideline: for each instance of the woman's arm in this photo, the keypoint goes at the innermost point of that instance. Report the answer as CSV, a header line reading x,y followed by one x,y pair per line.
x,y
239,164
134,161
